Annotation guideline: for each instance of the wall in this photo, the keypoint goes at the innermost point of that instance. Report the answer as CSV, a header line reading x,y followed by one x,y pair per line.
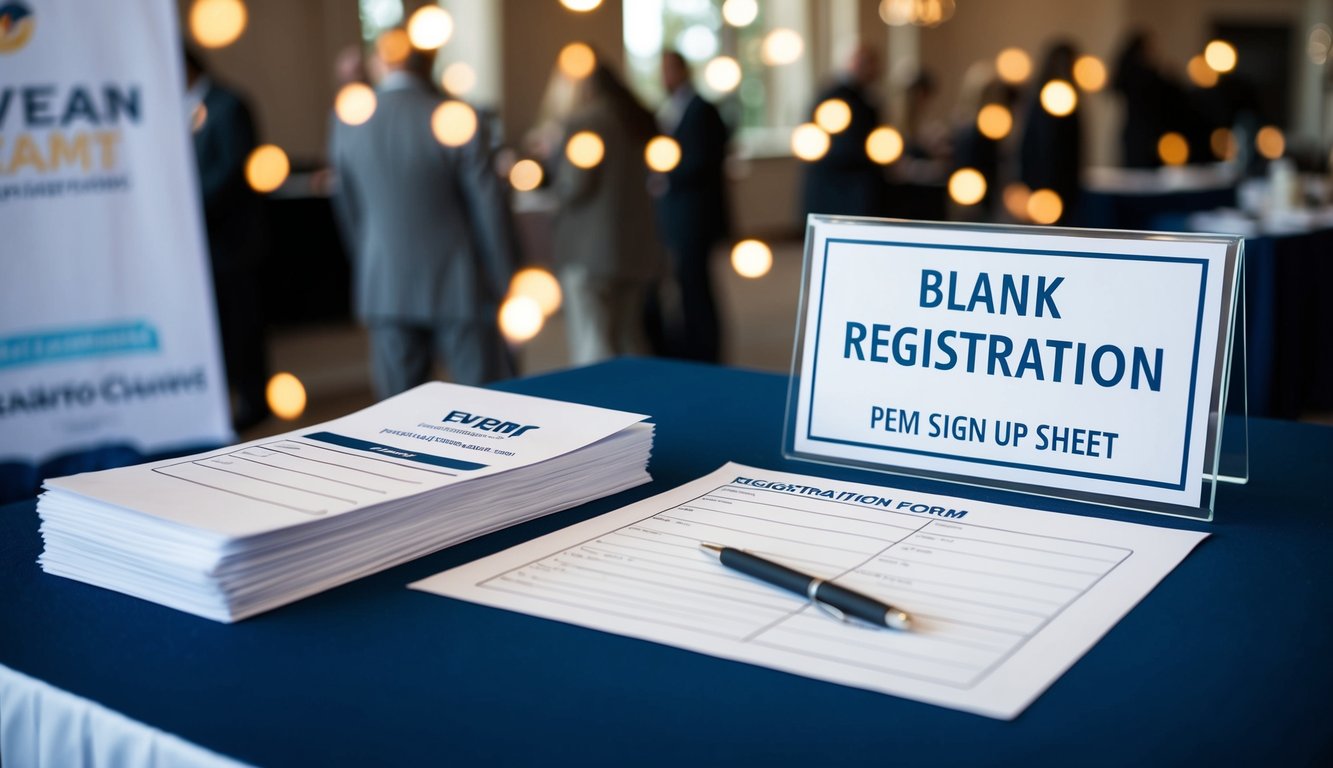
x,y
283,63
531,36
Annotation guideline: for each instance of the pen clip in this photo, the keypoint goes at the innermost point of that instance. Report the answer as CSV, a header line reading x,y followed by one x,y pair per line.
x,y
811,590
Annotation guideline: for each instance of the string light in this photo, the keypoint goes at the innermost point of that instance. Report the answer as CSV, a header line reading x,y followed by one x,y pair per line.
x,y
286,396
1270,142
539,285
585,150
526,175
576,61
833,116
967,186
267,168
459,78
662,154
722,74
1090,73
751,258
1220,56
393,46
355,103
809,142
995,121
1173,149
1200,73
453,123
1059,98
1013,65
740,13
782,46
581,6
217,23
520,319
1045,206
430,27
884,145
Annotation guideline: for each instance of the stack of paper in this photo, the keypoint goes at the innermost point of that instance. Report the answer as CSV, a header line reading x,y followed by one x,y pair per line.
x,y
235,532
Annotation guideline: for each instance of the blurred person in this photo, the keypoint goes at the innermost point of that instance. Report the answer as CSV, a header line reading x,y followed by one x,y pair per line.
x,y
432,249
1148,98
607,253
845,181
692,209
224,137
982,87
1050,152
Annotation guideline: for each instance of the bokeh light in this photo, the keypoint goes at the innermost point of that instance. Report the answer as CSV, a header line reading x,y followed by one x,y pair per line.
x,y
995,121
1200,73
1223,143
1090,73
697,42
740,13
430,27
662,154
782,46
1220,56
459,78
199,117
884,145
722,74
1045,206
833,115
923,13
576,61
1013,65
355,103
751,258
581,6
1270,142
267,168
217,23
1016,200
393,46
585,149
539,285
520,319
809,142
1172,149
526,175
453,123
286,396
967,186
1059,98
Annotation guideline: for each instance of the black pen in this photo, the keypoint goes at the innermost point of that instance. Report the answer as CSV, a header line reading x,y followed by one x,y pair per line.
x,y
840,601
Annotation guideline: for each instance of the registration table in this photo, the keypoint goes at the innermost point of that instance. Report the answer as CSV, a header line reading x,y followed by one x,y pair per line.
x,y
1228,661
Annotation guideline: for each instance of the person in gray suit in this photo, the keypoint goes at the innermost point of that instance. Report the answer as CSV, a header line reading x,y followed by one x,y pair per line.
x,y
605,240
432,244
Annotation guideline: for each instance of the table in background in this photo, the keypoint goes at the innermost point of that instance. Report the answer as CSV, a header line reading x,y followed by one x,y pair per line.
x,y
1227,661
1135,198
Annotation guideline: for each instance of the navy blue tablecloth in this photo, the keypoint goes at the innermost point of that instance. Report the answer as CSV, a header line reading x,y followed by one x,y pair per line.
x,y
1227,661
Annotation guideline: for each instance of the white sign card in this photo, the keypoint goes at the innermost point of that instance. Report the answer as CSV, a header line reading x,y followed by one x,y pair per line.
x,y
1073,363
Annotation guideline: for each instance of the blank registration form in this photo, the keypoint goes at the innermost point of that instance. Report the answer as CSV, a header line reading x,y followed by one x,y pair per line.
x,y
1002,599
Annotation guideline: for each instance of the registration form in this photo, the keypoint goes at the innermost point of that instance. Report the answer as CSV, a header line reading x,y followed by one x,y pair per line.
x,y
1003,599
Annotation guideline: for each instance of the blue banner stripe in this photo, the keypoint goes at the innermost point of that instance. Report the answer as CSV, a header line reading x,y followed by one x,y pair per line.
x,y
95,341
395,452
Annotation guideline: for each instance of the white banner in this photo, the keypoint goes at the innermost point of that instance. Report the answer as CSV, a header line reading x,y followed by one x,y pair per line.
x,y
107,330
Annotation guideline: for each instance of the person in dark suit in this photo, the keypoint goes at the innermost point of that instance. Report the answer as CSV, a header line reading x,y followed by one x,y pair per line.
x,y
224,137
433,252
845,181
1050,154
1148,97
692,209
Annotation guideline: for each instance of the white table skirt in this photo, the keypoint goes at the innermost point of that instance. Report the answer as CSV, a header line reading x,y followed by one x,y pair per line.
x,y
45,727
